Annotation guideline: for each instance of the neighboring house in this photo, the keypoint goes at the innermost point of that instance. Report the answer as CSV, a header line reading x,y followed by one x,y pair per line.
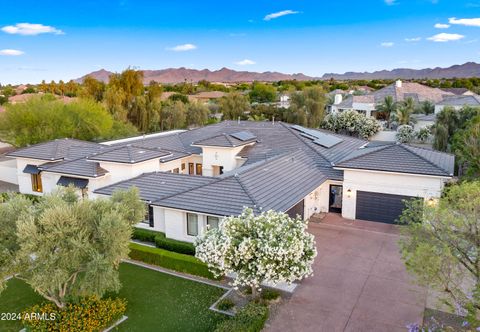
x,y
399,91
457,102
423,120
206,96
459,91
284,101
192,179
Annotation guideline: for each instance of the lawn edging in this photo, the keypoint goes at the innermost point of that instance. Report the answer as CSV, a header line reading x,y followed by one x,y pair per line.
x,y
170,260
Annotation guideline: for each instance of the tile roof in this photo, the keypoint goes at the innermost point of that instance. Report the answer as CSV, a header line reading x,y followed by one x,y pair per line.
x,y
157,185
224,140
400,158
129,154
52,150
79,167
472,100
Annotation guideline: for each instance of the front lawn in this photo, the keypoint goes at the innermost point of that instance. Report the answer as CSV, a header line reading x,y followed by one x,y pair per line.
x,y
156,302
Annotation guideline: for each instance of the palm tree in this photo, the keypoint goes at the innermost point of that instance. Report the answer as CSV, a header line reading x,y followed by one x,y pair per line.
x,y
388,107
405,110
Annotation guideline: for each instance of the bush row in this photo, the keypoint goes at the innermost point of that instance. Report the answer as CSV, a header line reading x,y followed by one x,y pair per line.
x,y
250,318
162,242
170,260
89,314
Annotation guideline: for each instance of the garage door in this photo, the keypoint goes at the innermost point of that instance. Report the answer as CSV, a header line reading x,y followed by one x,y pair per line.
x,y
296,210
379,207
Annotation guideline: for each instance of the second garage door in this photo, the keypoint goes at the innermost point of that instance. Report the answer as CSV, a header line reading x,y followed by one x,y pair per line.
x,y
379,207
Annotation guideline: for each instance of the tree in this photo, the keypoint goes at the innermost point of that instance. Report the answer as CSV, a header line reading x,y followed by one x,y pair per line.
x,y
173,115
269,247
263,93
466,146
404,111
234,106
351,123
65,247
197,114
92,88
43,118
310,105
442,246
426,107
387,108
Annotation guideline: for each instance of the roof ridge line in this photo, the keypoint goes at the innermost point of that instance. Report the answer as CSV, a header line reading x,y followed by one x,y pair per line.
x,y
255,203
305,143
406,147
374,149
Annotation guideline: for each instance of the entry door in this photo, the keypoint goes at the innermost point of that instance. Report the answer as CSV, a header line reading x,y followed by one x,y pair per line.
x,y
336,195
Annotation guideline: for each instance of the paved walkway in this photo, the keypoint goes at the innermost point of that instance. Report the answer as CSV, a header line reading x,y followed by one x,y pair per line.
x,y
359,283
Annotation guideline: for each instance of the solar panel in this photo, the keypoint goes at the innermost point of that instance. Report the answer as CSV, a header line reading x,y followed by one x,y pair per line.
x,y
318,138
244,135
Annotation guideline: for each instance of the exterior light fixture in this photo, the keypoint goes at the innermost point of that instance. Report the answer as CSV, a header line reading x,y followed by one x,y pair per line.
x,y
349,193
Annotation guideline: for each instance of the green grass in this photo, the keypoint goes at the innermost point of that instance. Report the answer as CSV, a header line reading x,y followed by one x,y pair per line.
x,y
156,302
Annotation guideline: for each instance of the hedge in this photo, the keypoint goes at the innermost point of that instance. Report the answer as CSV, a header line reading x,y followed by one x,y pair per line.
x,y
170,260
173,245
250,318
162,242
144,235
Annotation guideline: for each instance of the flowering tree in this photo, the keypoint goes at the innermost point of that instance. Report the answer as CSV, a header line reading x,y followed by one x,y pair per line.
x,y
270,247
351,123
405,134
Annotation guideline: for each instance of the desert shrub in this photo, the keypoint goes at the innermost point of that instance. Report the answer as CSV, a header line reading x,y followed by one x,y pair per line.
x,y
89,314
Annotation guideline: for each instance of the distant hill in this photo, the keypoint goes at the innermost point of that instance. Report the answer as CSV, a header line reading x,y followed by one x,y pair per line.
x,y
469,69
177,75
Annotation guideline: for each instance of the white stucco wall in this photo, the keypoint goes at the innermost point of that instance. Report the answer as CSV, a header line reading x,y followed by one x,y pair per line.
x,y
388,183
24,179
8,170
218,156
318,200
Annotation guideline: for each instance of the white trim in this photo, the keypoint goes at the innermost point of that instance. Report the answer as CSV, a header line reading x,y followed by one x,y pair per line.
x,y
139,138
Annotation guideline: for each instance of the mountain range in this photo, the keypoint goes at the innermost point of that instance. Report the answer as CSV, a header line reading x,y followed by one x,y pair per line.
x,y
468,69
177,75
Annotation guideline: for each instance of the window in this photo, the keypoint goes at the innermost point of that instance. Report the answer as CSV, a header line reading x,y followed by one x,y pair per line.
x,y
212,222
176,170
191,168
221,170
192,224
37,183
199,169
183,166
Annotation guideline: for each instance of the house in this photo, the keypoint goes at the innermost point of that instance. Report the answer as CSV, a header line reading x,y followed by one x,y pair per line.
x,y
26,96
191,180
206,96
399,91
284,101
459,91
457,102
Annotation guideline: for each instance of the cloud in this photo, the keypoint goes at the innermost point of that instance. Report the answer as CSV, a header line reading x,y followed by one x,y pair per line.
x,y
412,40
29,29
245,62
446,37
279,14
441,26
387,44
182,48
391,2
471,22
10,52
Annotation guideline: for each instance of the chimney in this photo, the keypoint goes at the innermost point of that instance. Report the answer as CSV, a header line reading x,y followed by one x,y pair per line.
x,y
337,99
398,83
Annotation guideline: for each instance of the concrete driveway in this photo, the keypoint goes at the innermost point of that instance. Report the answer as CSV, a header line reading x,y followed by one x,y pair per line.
x,y
359,283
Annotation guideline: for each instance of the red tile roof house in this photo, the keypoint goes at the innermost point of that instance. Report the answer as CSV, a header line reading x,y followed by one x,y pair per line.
x,y
191,179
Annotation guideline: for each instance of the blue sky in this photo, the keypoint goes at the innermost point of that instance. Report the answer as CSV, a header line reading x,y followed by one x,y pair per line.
x,y
67,39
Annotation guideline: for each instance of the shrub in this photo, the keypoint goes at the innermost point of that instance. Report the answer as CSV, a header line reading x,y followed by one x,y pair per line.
x,y
405,134
89,314
351,123
270,294
250,318
424,134
145,235
169,260
225,304
173,245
